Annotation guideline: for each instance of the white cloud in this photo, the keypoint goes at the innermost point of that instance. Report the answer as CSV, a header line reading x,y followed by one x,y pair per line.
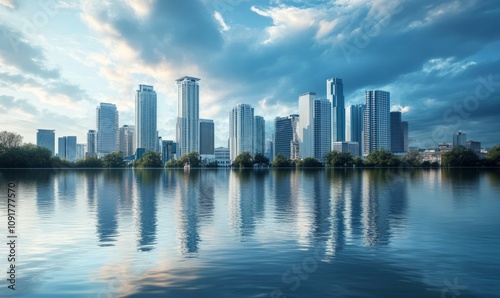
x,y
448,66
221,22
400,108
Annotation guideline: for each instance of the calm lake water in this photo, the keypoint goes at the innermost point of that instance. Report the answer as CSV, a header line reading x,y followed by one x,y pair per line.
x,y
272,233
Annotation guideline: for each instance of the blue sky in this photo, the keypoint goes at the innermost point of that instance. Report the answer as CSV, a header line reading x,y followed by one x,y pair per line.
x,y
439,59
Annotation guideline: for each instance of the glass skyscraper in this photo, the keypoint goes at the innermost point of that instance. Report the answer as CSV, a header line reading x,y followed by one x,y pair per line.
x,y
354,125
377,127
335,94
322,128
306,124
259,134
107,128
207,136
241,126
146,118
188,115
46,138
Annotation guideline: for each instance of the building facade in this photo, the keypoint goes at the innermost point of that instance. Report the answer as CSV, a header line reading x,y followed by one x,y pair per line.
x,y
283,136
259,135
188,115
306,124
127,140
459,139
346,147
377,130
354,125
207,136
335,94
241,130
107,128
322,128
168,150
46,138
91,142
146,118
67,148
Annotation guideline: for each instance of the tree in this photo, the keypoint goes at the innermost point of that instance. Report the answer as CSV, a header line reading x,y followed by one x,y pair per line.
x,y
281,162
260,159
358,161
459,157
494,155
114,160
412,159
173,164
10,140
192,158
381,158
243,160
309,162
337,159
25,156
149,160
89,162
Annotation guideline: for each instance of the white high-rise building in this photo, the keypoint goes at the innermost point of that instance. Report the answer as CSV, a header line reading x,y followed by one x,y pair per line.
x,y
146,118
306,124
322,128
126,139
107,128
188,115
259,134
241,130
377,128
335,94
459,139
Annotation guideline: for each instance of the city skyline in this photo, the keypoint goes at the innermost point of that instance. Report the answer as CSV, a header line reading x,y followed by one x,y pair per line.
x,y
61,59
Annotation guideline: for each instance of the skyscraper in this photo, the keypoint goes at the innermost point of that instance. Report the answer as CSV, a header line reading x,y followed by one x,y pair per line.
x,y
46,138
259,134
306,124
207,136
107,128
146,118
354,125
322,128
283,136
168,150
459,139
61,147
126,140
377,130
397,136
67,148
335,94
91,142
188,115
241,126
295,144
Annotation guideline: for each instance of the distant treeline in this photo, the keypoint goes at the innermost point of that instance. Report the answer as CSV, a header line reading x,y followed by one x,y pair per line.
x,y
14,154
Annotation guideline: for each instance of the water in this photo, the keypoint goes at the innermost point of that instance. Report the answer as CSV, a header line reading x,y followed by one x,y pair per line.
x,y
276,233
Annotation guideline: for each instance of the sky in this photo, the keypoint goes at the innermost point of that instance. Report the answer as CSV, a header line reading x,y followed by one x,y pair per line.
x,y
440,60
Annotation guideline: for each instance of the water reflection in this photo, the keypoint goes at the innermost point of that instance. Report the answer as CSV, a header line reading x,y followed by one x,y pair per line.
x,y
106,201
188,199
146,185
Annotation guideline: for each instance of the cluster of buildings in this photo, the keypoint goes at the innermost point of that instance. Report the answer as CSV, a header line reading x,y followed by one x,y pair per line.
x,y
320,126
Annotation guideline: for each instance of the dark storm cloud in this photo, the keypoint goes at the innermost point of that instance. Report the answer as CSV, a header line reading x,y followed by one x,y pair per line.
x,y
369,48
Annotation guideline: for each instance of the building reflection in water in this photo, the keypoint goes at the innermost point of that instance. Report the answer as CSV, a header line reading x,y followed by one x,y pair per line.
x,y
246,200
385,199
146,187
188,198
66,188
107,221
45,193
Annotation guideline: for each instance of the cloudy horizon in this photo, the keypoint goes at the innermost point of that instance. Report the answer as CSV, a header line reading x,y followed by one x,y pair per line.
x,y
439,61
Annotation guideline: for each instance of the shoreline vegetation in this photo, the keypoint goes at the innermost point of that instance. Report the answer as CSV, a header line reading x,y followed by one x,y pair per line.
x,y
14,154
